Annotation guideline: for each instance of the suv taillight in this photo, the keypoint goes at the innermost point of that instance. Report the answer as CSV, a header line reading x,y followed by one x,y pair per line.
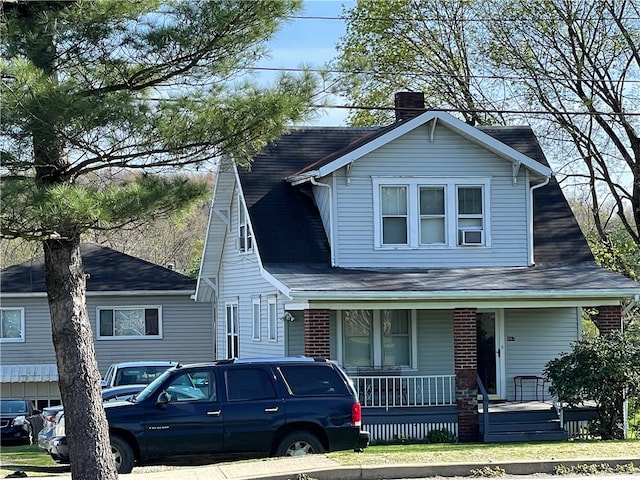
x,y
356,415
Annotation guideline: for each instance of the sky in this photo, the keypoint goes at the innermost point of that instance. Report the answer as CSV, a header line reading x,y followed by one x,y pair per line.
x,y
311,43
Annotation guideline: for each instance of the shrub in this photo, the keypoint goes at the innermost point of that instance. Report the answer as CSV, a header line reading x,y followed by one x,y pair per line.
x,y
441,435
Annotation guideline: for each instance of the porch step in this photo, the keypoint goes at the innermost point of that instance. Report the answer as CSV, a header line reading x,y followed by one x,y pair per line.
x,y
523,426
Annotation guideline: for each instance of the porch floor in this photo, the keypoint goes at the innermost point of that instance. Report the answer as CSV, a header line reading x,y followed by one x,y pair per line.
x,y
511,406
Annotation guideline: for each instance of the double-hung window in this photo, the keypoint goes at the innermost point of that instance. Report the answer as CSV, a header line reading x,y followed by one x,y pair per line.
x,y
393,200
470,214
255,312
129,322
11,324
272,322
245,240
377,338
233,330
414,212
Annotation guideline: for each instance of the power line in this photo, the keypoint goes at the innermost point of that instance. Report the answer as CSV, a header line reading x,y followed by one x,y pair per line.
x,y
417,74
484,110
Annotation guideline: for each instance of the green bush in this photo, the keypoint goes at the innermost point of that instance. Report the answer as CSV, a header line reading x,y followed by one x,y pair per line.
x,y
441,435
604,370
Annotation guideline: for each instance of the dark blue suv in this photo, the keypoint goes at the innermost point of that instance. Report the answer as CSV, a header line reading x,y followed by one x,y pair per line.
x,y
284,406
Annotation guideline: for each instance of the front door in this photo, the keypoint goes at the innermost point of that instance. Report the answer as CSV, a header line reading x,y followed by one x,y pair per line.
x,y
490,333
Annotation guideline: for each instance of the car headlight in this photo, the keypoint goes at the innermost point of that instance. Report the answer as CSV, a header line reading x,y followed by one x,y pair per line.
x,y
21,420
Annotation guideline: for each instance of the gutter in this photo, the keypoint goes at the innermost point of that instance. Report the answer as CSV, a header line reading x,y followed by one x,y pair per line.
x,y
460,294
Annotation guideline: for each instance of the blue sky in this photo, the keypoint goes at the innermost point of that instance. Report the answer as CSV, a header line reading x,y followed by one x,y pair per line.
x,y
311,43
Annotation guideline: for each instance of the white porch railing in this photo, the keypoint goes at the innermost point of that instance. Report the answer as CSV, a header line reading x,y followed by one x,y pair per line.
x,y
405,391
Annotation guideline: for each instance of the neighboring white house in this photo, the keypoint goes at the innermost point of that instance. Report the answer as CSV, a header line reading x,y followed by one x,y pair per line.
x,y
138,311
428,251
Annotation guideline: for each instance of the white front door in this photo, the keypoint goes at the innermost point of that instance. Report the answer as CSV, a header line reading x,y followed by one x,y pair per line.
x,y
491,354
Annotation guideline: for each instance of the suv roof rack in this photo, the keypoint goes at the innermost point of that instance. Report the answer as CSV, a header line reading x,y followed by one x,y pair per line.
x,y
271,360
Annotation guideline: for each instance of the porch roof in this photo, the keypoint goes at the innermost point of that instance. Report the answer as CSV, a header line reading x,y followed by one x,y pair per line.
x,y
582,284
29,373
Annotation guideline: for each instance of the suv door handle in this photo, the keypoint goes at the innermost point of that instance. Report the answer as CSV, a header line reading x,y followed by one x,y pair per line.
x,y
271,410
214,413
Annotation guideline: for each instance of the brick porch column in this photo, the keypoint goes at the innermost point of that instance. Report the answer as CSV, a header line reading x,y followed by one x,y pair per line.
x,y
316,333
465,354
609,318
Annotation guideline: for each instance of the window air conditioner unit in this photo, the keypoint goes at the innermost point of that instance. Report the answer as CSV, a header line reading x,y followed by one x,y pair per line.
x,y
470,236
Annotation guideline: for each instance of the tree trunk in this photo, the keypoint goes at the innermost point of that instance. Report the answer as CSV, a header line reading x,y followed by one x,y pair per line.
x,y
79,378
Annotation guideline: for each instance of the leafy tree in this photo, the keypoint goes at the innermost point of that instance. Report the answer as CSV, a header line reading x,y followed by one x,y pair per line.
x,y
568,67
426,46
604,369
95,87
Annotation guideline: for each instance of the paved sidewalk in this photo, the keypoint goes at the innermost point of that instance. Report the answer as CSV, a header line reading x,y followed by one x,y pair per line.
x,y
322,468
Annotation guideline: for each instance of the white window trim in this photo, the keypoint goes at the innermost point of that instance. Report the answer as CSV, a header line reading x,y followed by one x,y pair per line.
x,y
377,337
21,338
234,307
451,211
129,337
245,238
256,323
272,319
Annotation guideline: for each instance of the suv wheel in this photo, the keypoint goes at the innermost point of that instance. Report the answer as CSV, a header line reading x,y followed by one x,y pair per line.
x,y
299,443
122,455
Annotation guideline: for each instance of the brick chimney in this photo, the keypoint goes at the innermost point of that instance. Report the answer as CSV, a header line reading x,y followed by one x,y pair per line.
x,y
408,105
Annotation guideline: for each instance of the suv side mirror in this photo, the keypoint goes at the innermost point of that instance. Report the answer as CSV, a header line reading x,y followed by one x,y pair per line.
x,y
163,398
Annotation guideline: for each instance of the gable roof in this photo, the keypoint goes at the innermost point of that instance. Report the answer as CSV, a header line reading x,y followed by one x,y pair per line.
x,y
383,136
287,225
108,271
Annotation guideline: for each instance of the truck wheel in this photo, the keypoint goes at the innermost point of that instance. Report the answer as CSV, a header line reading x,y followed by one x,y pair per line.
x,y
299,443
122,454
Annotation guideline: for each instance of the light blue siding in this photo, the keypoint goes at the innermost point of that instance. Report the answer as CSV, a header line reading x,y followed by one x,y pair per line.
x,y
413,155
536,336
240,282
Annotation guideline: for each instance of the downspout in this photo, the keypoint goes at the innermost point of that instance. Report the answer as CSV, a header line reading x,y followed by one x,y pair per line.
x,y
534,187
331,242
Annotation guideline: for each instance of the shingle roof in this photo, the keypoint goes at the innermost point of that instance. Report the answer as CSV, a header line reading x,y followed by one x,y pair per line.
x,y
288,227
108,270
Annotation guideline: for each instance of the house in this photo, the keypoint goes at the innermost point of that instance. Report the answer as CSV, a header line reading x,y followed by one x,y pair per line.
x,y
138,311
435,261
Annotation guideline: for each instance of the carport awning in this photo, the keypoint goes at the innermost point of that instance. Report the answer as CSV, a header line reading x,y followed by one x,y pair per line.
x,y
28,373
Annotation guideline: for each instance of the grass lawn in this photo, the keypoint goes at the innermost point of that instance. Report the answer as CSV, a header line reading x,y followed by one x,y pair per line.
x,y
489,452
36,463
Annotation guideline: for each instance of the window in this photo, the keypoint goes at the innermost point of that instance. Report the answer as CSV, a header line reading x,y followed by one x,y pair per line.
x,y
12,325
394,215
129,322
377,338
256,318
306,380
470,218
197,386
249,384
396,346
244,231
427,213
432,216
358,331
233,343
272,320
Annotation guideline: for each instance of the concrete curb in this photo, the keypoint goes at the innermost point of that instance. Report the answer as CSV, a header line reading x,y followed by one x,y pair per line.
x,y
322,468
381,472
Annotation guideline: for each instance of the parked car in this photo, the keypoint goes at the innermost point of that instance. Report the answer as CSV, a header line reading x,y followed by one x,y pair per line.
x,y
19,419
56,445
131,373
47,432
290,406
